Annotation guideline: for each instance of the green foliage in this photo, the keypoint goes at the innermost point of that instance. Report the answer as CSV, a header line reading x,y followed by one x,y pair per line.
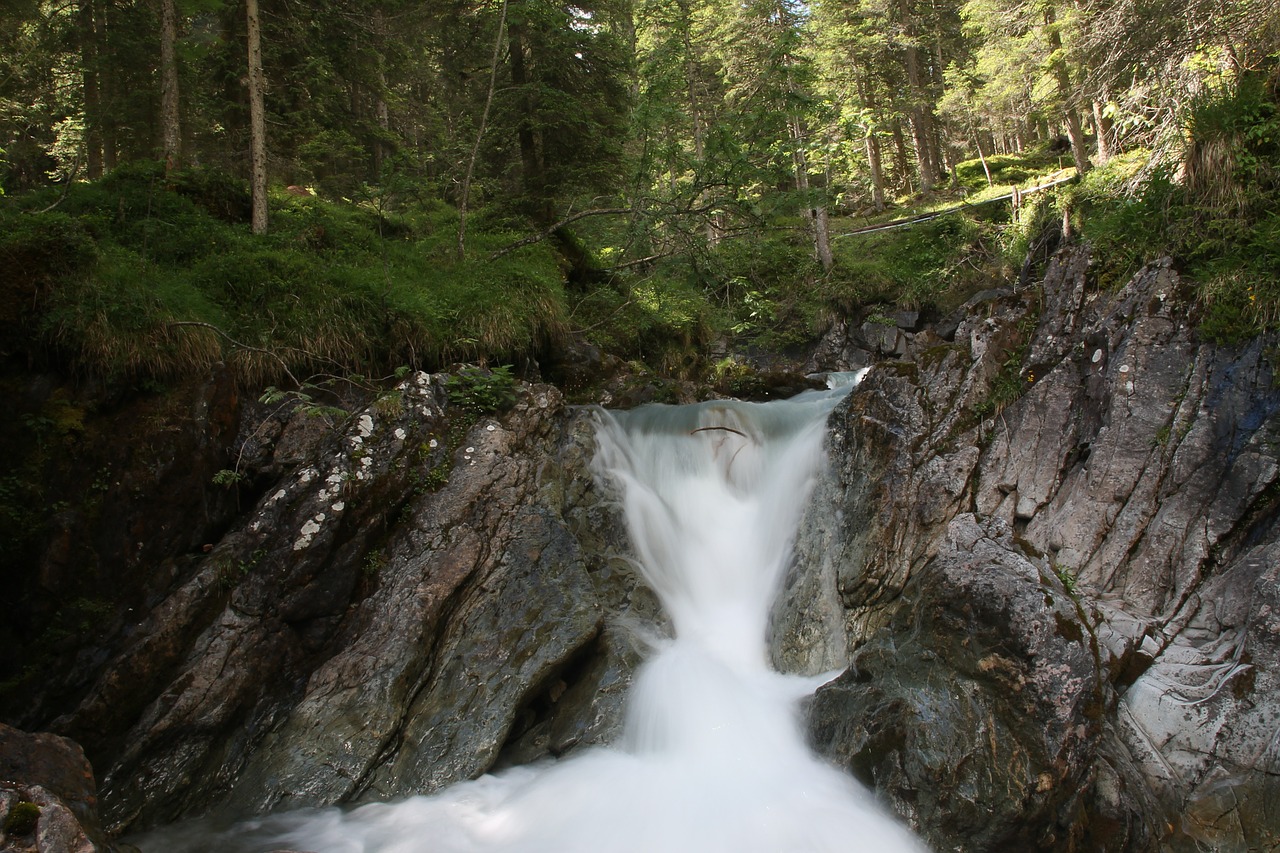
x,y
227,478
1067,576
478,390
42,248
1006,170
131,280
916,267
1219,221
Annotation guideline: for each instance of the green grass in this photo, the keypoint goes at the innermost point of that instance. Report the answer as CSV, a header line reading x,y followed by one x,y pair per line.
x,y
137,276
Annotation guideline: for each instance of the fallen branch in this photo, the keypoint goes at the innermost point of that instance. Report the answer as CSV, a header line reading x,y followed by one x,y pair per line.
x,y
724,428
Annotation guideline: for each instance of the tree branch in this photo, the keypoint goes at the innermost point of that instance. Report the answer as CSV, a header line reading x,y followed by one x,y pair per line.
x,y
200,325
547,232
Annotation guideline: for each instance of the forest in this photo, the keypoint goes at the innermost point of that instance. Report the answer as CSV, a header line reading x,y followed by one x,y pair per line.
x,y
361,185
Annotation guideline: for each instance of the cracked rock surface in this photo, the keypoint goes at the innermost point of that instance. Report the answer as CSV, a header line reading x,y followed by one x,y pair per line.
x,y
423,594
1058,614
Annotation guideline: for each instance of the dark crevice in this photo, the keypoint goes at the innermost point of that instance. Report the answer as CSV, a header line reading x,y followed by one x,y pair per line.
x,y
542,704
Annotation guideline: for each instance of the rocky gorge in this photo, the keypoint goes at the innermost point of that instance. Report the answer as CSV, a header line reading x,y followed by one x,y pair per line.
x,y
1044,558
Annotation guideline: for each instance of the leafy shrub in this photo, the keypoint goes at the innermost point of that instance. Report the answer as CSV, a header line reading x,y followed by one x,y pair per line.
x,y
37,249
481,391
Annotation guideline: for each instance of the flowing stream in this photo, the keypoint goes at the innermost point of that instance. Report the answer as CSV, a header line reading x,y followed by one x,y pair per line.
x,y
713,757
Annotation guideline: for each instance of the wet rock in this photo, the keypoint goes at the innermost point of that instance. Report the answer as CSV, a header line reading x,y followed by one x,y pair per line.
x,y
48,798
1135,467
424,592
976,709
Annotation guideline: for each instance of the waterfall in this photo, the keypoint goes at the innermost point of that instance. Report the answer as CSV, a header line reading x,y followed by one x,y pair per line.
x,y
714,756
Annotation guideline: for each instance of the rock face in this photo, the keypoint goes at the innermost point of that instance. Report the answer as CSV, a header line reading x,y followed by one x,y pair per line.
x,y
422,594
48,799
1047,553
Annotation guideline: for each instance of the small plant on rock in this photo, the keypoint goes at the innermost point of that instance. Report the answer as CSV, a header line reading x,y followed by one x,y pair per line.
x,y
479,390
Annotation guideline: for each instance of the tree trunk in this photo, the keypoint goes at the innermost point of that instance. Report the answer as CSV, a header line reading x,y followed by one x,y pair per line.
x,y
920,115
977,143
695,115
170,121
257,120
531,169
1075,130
383,114
875,156
465,196
92,92
901,160
817,213
877,170
1102,128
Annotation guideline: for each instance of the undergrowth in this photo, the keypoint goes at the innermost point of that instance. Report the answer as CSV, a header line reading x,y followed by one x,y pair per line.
x,y
1215,210
132,277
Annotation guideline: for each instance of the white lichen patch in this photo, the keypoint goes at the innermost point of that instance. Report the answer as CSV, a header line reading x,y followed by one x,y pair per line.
x,y
400,434
491,428
433,444
277,496
308,531
365,425
307,475
339,506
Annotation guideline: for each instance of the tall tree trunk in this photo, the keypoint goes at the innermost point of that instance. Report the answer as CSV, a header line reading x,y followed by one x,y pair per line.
x,y
901,159
170,121
877,170
92,90
381,111
977,143
465,196
1102,129
875,158
920,115
695,114
1075,130
257,120
531,168
817,213
108,123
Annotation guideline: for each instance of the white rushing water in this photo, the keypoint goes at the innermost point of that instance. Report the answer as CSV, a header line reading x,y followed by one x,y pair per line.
x,y
714,756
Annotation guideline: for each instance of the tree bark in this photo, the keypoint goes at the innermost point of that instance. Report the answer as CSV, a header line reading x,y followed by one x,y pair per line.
x,y
1075,130
874,160
817,213
257,119
381,111
900,149
1102,129
920,115
92,90
531,168
170,120
695,114
465,196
